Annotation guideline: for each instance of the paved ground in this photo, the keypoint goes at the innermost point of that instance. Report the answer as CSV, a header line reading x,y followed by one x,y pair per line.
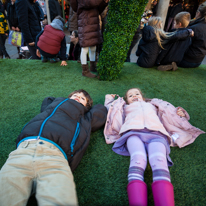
x,y
12,50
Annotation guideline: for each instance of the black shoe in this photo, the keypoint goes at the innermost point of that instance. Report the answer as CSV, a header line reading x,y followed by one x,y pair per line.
x,y
44,59
54,60
7,57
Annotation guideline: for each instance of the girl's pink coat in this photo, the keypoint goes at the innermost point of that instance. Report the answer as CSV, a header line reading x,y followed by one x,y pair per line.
x,y
181,132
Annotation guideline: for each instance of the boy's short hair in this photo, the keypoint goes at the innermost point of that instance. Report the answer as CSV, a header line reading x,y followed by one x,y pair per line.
x,y
183,18
60,18
86,94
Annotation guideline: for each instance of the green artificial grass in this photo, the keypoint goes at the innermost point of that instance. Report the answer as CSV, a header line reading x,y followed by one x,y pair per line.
x,y
101,177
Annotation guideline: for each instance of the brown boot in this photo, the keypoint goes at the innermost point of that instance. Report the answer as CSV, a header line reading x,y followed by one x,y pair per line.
x,y
86,72
93,66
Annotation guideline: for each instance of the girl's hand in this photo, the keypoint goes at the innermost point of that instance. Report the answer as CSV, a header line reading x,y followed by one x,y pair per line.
x,y
180,113
113,95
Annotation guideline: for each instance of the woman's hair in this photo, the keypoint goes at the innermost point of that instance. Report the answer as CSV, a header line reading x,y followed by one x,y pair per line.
x,y
125,96
202,10
86,94
183,18
75,33
156,23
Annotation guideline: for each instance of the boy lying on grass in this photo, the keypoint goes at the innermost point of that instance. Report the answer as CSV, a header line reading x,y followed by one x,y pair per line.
x,y
49,148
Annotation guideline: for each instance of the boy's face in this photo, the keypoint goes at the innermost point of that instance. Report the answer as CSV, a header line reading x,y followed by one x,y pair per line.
x,y
177,25
79,97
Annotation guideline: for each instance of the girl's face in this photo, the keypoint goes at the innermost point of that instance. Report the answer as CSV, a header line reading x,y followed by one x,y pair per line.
x,y
73,38
79,97
134,95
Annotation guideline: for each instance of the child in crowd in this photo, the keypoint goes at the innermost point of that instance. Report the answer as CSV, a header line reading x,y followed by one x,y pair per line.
x,y
194,56
75,49
89,32
153,40
4,32
173,52
51,41
141,127
49,147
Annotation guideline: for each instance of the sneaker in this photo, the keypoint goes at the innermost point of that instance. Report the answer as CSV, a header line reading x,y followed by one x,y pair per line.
x,y
165,67
44,59
54,60
174,66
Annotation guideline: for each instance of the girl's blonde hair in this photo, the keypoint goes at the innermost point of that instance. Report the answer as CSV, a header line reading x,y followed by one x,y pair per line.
x,y
157,24
202,10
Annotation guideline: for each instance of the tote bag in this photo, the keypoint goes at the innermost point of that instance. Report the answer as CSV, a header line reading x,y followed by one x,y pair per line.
x,y
15,38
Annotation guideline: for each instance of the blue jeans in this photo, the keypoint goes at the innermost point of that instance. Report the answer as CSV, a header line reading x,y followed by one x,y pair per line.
x,y
37,163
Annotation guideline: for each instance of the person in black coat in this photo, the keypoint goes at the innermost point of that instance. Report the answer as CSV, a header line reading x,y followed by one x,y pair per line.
x,y
29,24
13,20
194,56
173,52
49,147
54,8
75,49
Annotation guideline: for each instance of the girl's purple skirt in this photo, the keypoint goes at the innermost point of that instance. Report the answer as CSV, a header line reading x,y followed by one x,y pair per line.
x,y
147,136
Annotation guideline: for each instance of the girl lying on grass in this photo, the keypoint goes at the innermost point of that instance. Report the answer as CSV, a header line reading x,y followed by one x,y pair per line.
x,y
141,127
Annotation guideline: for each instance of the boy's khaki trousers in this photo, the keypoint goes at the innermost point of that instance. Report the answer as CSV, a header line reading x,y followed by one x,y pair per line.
x,y
40,162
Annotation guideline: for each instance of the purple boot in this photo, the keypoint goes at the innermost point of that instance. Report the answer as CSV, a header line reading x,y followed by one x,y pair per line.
x,y
137,193
163,193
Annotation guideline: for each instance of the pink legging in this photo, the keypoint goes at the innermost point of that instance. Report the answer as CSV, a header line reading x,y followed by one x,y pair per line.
x,y
156,155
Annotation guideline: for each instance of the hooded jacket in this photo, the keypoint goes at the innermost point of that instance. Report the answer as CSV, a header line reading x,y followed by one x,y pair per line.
x,y
67,124
181,132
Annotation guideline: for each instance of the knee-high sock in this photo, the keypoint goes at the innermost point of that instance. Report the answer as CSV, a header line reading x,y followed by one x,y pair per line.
x,y
92,53
138,158
83,56
158,161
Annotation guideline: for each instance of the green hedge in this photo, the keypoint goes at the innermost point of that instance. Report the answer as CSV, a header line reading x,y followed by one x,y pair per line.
x,y
122,21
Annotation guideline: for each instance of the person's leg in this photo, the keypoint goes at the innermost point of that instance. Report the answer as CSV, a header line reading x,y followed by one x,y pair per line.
x,y
32,50
85,68
16,177
137,189
54,183
92,56
186,64
1,46
162,189
4,48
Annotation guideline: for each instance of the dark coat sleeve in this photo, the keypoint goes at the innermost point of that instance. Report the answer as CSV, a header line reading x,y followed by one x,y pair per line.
x,y
74,5
62,53
46,102
98,114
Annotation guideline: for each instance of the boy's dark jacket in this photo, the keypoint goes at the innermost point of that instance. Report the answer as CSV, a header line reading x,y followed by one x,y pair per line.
x,y
58,124
174,50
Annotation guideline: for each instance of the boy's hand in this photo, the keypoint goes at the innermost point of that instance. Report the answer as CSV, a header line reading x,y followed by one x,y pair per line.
x,y
13,28
180,113
38,53
64,63
17,29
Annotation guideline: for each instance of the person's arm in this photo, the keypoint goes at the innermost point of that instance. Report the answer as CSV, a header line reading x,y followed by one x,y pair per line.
x,y
46,102
74,4
37,37
98,114
109,98
62,52
9,16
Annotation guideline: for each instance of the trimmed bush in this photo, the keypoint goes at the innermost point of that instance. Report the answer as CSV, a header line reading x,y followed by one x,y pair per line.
x,y
122,21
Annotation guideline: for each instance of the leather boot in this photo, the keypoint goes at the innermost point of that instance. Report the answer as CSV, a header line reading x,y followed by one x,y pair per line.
x,y
86,72
137,193
163,193
93,66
